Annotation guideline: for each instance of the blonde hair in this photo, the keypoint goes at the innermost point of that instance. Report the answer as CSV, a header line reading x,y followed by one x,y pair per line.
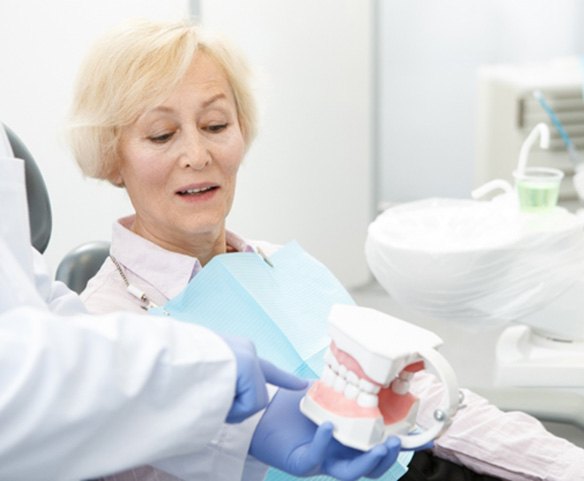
x,y
133,69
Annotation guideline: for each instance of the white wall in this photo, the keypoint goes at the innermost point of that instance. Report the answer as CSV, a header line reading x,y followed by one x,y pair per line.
x,y
429,53
41,45
307,177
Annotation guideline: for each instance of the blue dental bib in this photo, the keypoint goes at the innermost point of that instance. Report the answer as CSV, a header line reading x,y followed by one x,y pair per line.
x,y
282,307
282,304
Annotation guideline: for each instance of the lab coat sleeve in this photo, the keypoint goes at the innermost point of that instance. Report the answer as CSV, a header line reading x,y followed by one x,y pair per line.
x,y
225,458
55,294
84,395
510,445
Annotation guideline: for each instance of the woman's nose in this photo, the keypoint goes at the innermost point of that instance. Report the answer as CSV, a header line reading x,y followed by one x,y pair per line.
x,y
194,151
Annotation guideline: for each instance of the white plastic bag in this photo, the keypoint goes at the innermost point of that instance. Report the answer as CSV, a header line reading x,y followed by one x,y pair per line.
x,y
474,260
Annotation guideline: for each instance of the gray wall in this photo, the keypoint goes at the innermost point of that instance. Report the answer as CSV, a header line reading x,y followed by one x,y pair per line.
x,y
428,55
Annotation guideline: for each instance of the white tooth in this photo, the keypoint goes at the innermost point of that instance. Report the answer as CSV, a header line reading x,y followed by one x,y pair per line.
x,y
196,191
334,364
352,378
328,357
328,376
405,375
399,386
343,370
367,400
368,387
351,391
339,384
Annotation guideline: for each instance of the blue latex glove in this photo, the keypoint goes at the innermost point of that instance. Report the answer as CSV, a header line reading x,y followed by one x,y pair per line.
x,y
288,440
253,373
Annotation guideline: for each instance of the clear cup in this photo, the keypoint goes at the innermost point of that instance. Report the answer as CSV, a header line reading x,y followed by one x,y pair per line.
x,y
538,188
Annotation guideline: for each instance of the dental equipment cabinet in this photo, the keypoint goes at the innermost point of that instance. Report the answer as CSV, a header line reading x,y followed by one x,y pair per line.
x,y
512,99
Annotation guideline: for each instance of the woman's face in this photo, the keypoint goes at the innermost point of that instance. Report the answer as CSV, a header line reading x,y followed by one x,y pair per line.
x,y
179,161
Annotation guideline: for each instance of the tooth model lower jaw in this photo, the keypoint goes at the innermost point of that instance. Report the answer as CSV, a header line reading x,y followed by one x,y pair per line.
x,y
364,388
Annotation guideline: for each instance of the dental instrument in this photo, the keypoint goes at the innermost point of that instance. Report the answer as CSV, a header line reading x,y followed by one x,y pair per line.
x,y
573,154
364,388
541,130
538,188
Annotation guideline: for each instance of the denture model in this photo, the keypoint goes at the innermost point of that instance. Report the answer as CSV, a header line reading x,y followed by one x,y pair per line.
x,y
364,388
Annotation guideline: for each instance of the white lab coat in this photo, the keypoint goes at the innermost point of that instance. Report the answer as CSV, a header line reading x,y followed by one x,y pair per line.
x,y
81,395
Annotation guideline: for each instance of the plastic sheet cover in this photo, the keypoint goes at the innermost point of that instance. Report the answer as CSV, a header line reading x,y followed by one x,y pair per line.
x,y
482,262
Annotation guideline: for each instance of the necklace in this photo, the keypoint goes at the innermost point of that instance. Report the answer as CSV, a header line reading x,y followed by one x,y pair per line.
x,y
145,302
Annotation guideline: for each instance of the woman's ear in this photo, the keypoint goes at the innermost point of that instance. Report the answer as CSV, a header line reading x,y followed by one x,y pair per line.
x,y
115,177
118,182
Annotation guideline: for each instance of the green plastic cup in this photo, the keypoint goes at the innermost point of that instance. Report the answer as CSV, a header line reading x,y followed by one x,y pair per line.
x,y
538,188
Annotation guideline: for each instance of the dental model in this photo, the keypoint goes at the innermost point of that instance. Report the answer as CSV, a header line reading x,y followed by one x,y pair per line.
x,y
364,388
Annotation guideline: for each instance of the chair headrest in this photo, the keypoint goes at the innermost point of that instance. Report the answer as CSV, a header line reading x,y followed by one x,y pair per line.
x,y
39,206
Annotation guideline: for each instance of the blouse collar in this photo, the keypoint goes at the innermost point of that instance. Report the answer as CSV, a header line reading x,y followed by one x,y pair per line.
x,y
167,271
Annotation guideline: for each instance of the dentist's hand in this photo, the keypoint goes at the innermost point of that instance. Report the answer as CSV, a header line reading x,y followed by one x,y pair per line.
x,y
253,373
288,440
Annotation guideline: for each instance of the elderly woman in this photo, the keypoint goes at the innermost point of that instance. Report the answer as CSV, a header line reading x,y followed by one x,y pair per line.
x,y
167,113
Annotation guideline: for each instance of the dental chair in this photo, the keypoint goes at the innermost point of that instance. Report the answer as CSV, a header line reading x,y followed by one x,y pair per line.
x,y
39,206
81,263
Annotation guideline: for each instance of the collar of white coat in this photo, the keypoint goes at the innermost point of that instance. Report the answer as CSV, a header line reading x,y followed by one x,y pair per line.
x,y
167,271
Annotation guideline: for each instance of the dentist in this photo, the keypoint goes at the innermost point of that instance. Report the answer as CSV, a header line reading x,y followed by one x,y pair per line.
x,y
81,395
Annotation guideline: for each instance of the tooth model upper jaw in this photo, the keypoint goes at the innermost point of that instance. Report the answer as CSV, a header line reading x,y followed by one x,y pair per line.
x,y
381,344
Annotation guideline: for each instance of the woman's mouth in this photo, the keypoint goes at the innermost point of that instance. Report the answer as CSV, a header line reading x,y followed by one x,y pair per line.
x,y
193,192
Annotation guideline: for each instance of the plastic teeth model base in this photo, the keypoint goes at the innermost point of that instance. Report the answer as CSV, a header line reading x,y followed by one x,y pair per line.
x,y
364,388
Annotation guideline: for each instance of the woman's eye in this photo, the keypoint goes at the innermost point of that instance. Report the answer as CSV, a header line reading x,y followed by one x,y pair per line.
x,y
162,138
215,128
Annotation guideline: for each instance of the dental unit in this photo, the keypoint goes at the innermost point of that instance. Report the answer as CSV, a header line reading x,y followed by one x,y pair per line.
x,y
364,388
514,258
